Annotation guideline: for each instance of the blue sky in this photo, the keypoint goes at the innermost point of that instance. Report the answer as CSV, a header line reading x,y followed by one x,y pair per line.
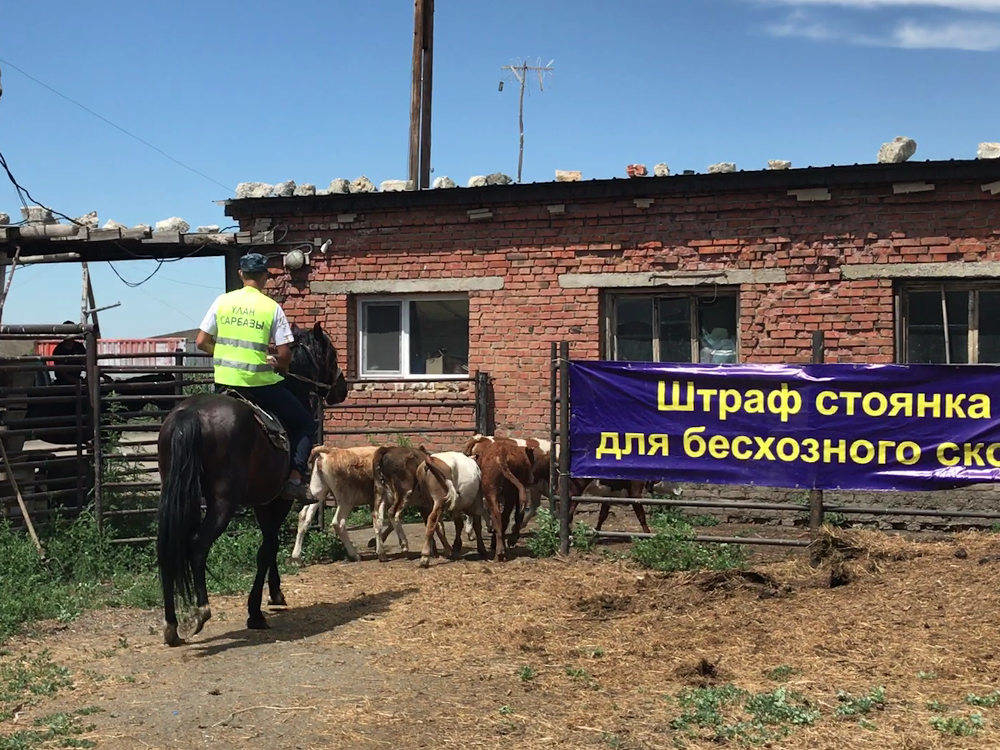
x,y
316,89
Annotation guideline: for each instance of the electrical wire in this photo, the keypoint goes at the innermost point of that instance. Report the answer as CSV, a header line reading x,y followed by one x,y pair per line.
x,y
23,190
115,125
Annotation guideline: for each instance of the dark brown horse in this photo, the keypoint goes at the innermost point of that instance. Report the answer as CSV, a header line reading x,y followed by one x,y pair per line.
x,y
212,452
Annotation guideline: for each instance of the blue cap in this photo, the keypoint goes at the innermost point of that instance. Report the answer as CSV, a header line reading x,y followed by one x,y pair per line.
x,y
253,263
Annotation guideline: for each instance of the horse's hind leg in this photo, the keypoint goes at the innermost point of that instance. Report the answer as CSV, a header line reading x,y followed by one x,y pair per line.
x,y
217,517
275,596
267,556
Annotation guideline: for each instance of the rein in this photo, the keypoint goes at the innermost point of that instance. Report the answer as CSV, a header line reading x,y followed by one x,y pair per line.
x,y
316,383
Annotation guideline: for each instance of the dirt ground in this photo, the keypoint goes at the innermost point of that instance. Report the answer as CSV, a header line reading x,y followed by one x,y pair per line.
x,y
373,655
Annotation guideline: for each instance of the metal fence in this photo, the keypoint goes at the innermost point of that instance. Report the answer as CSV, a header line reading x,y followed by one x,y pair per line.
x,y
81,428
562,500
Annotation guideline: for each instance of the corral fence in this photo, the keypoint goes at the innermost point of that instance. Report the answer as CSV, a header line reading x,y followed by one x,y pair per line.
x,y
79,420
817,509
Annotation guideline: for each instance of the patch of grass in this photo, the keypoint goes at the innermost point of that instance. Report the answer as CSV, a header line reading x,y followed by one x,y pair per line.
x,y
936,706
959,726
703,520
983,701
360,517
83,570
24,680
781,673
60,729
545,541
577,673
926,675
526,673
860,705
726,712
506,710
582,536
672,549
835,519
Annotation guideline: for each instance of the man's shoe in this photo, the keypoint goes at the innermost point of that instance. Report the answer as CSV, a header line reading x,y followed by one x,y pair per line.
x,y
295,490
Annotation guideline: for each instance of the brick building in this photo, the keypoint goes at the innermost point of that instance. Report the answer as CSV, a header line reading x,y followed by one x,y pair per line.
x,y
707,267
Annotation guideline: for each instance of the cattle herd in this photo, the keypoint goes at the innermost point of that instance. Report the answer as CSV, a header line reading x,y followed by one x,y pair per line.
x,y
491,479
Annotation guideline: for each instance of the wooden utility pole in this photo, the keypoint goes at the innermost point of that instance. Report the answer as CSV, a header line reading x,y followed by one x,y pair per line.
x,y
420,93
521,74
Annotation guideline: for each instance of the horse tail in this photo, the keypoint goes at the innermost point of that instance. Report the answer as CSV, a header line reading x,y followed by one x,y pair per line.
x,y
180,504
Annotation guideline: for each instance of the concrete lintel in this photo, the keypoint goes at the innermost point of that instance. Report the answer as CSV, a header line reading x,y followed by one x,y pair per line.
x,y
408,286
993,188
902,188
557,208
346,218
810,194
950,269
479,214
642,202
731,276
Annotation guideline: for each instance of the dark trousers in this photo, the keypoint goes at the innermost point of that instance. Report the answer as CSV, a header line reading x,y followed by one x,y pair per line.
x,y
287,409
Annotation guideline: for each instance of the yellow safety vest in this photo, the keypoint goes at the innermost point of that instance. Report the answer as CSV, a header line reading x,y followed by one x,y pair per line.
x,y
244,319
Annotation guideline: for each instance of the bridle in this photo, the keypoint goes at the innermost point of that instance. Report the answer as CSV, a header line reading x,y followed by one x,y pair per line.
x,y
315,366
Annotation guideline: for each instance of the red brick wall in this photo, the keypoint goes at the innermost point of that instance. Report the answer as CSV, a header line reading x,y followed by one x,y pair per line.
x,y
510,329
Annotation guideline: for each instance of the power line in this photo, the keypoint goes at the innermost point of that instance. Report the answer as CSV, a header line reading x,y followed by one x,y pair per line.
x,y
115,125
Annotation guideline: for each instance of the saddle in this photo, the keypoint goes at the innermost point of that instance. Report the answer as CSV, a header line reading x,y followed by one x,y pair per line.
x,y
274,430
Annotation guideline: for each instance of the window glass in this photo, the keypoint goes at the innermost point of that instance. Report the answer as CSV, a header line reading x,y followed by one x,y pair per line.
x,y
675,329
717,329
381,327
439,337
634,328
989,327
925,332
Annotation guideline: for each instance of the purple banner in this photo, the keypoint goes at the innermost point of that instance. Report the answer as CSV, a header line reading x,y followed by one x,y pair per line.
x,y
864,427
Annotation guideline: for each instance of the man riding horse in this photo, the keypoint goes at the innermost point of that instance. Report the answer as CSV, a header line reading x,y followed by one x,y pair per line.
x,y
214,454
236,331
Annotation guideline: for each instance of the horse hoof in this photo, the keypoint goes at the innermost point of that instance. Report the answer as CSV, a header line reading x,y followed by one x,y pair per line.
x,y
383,558
203,616
170,636
425,562
277,601
257,623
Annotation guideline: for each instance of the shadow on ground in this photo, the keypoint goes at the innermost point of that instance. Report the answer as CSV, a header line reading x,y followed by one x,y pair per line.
x,y
302,622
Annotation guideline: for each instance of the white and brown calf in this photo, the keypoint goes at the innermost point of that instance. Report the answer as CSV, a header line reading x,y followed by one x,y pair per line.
x,y
340,477
468,504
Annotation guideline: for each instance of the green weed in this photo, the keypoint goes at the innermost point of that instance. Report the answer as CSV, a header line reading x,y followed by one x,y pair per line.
x,y
926,675
24,680
727,712
526,673
545,541
983,701
671,548
781,673
959,726
63,729
862,704
936,706
582,536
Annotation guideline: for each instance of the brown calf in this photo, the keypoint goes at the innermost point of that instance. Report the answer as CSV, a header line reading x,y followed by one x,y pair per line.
x,y
506,475
395,471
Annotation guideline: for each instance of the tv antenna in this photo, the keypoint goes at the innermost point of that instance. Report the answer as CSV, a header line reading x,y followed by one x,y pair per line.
x,y
520,73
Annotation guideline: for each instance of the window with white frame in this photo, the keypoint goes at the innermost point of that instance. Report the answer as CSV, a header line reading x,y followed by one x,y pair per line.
x,y
949,323
682,327
421,336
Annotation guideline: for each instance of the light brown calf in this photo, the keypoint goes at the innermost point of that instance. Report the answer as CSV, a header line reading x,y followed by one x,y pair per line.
x,y
342,477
